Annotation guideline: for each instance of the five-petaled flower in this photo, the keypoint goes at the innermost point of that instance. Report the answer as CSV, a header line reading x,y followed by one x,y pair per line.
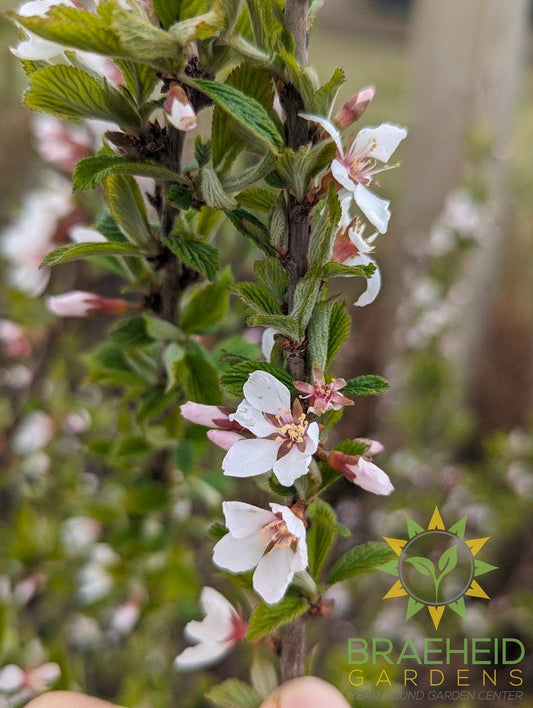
x,y
323,396
221,629
354,169
285,440
272,542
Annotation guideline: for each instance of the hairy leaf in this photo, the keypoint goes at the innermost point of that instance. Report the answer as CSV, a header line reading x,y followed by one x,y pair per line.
x,y
267,618
92,170
196,254
79,251
369,385
360,559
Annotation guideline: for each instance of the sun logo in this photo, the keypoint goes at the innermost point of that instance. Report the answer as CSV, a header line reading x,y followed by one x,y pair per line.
x,y
436,567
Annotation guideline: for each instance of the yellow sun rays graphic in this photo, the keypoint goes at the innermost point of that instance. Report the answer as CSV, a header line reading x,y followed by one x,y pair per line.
x,y
436,571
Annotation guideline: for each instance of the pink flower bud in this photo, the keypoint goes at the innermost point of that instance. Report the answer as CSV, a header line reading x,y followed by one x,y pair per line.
x,y
361,471
178,108
13,340
78,303
210,416
354,107
224,438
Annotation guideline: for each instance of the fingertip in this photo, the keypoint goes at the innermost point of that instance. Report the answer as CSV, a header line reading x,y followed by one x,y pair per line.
x,y
306,692
68,699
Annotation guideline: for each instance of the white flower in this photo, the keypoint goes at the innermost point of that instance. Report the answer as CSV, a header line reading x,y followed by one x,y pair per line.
x,y
352,249
355,169
179,110
219,631
78,303
34,433
59,143
272,542
125,617
79,533
35,48
285,441
28,240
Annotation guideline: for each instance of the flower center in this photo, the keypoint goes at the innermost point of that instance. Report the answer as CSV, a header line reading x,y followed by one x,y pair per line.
x,y
294,431
277,534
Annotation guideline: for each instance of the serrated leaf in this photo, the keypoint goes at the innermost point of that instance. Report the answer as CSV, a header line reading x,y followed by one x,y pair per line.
x,y
324,98
352,447
260,198
324,231
227,139
67,92
202,382
129,332
79,251
321,535
206,308
126,205
168,12
196,254
361,559
234,378
339,330
109,228
213,192
267,618
318,334
282,323
161,330
180,196
368,385
91,171
272,276
257,297
251,227
305,297
140,79
341,270
234,693
246,111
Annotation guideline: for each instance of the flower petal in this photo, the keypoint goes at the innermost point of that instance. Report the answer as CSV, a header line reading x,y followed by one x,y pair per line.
x,y
378,143
342,174
373,284
328,126
201,655
225,439
238,554
374,208
11,678
244,519
313,433
253,420
247,458
372,478
291,466
202,414
217,623
273,574
266,393
268,341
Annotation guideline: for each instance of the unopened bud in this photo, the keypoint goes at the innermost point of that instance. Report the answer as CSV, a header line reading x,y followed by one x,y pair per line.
x,y
354,107
178,108
82,304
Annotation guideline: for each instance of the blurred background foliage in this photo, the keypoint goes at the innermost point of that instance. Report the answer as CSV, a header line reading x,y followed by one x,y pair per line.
x,y
102,561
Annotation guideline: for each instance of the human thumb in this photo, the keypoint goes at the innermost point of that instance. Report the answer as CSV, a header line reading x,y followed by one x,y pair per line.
x,y
306,692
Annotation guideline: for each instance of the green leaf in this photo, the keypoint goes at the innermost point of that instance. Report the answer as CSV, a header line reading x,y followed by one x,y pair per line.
x,y
89,172
234,378
324,231
272,276
79,251
228,135
325,96
282,323
130,332
360,559
180,196
140,79
257,297
366,386
67,92
250,226
206,308
234,693
196,254
340,270
261,198
305,297
339,330
267,618
448,560
108,227
213,192
202,383
294,168
321,536
264,24
127,207
161,330
168,12
352,447
246,111
318,334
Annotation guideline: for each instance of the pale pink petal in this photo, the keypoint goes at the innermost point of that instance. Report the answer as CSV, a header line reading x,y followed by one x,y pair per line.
x,y
238,554
313,433
247,458
202,655
370,477
342,174
374,208
253,420
273,574
373,284
244,519
378,143
82,234
266,393
202,414
45,675
328,126
11,678
291,466
225,439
